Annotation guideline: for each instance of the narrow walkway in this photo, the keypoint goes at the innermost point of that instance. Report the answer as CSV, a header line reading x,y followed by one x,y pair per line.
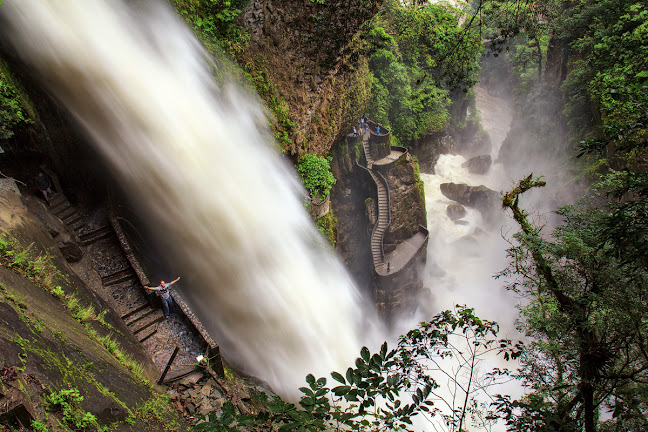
x,y
391,157
406,250
384,214
121,287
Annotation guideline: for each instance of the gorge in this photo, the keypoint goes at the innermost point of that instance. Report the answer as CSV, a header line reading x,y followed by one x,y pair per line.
x,y
196,139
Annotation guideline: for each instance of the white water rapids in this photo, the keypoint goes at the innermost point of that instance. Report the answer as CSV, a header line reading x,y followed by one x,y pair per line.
x,y
193,156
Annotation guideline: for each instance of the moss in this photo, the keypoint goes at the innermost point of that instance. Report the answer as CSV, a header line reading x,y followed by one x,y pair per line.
x,y
327,225
419,184
157,411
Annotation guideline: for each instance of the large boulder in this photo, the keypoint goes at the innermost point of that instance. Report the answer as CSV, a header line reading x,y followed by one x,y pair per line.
x,y
478,164
479,197
455,211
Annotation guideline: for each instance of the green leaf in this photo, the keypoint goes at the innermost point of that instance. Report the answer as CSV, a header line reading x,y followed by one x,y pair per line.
x,y
288,427
341,390
350,376
338,377
365,354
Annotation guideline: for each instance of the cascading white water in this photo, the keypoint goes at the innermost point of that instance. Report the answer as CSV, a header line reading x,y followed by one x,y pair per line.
x,y
463,257
195,158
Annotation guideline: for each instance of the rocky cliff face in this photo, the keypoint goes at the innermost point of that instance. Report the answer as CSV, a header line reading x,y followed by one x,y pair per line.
x,y
311,54
407,202
355,202
348,198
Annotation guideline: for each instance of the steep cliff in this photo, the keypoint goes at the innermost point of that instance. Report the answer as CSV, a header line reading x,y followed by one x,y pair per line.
x,y
307,57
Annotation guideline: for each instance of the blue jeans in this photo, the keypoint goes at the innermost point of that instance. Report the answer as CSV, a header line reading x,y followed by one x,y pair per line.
x,y
167,304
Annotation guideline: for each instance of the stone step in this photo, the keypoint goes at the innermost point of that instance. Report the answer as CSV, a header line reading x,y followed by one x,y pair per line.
x,y
96,235
57,199
137,309
155,317
76,226
142,316
118,277
72,219
148,335
64,211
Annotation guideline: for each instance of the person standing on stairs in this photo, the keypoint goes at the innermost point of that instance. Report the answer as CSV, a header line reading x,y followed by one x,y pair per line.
x,y
165,296
43,184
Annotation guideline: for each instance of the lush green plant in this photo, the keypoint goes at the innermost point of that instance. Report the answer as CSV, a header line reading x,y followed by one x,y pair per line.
x,y
37,425
419,53
586,314
12,112
215,22
316,174
65,402
157,409
432,372
327,225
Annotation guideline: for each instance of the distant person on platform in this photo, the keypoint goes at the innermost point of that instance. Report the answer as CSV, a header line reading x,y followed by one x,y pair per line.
x,y
43,184
163,292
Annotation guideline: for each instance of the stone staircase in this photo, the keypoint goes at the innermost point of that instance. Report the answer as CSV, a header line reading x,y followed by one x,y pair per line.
x,y
384,212
142,321
61,208
138,315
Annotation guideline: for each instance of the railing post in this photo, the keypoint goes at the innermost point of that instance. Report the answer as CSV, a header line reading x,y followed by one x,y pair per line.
x,y
169,363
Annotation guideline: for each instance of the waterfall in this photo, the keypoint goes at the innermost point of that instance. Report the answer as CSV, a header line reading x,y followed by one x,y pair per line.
x,y
196,158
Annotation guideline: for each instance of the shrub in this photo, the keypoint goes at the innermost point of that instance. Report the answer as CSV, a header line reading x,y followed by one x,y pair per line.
x,y
316,174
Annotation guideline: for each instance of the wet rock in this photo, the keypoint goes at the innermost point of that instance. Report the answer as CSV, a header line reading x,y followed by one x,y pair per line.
x,y
71,251
190,407
455,211
478,164
206,389
191,379
205,408
479,197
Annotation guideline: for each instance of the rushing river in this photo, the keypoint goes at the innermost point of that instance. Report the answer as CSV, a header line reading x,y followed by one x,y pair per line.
x,y
464,256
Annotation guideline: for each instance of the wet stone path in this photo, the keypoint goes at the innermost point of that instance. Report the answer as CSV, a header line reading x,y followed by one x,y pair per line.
x,y
108,259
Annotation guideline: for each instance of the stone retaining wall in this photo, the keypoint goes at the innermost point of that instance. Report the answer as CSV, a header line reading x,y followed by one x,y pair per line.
x,y
318,208
379,142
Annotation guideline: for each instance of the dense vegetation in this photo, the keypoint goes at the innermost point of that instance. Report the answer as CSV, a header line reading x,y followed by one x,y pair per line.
x,y
586,365
580,76
420,57
13,114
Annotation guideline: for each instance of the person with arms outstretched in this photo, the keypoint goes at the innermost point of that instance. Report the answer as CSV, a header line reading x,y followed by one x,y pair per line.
x,y
165,296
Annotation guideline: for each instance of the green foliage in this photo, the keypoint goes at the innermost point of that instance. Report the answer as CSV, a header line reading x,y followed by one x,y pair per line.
x,y
282,126
37,425
316,174
418,55
158,409
327,225
216,22
387,389
65,403
419,183
12,111
585,314
38,268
